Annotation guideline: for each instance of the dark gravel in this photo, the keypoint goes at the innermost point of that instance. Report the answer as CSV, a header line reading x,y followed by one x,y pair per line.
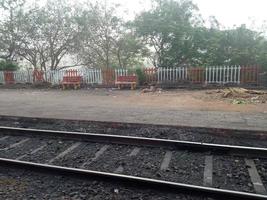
x,y
146,163
110,159
80,155
25,148
53,148
261,165
154,132
21,184
186,168
10,140
231,173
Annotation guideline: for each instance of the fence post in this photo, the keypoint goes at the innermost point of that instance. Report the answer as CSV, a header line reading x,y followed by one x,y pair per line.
x,y
235,78
2,80
238,74
258,73
158,74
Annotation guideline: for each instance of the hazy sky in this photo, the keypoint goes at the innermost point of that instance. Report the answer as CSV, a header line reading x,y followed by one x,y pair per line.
x,y
234,12
228,12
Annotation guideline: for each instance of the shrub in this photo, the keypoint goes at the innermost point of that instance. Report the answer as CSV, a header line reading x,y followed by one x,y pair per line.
x,y
141,75
8,66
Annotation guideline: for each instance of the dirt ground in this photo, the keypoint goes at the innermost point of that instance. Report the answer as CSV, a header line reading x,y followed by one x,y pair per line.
x,y
183,107
201,100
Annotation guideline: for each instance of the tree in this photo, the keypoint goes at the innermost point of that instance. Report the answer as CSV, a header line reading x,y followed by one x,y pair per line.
x,y
99,29
11,22
105,40
130,51
171,33
233,46
168,28
51,32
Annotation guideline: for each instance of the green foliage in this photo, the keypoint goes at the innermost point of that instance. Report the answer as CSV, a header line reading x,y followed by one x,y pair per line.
x,y
168,28
239,46
141,75
171,34
11,21
130,51
105,40
8,66
178,38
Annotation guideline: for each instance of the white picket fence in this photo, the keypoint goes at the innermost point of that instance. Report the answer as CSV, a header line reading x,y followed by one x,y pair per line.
x,y
19,77
171,74
121,72
90,76
223,74
211,75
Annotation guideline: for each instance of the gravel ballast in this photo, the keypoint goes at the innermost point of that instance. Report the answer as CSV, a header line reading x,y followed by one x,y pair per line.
x,y
261,165
10,140
84,153
50,151
16,184
231,173
151,131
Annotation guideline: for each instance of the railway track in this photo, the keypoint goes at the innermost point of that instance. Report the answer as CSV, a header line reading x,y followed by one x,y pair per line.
x,y
220,171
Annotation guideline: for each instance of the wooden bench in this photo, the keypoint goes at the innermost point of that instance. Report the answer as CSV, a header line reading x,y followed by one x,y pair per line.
x,y
71,78
126,80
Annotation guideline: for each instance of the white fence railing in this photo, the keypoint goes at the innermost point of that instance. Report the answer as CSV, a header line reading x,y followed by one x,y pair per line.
x,y
23,77
92,76
208,75
2,80
89,76
19,77
171,74
223,74
120,72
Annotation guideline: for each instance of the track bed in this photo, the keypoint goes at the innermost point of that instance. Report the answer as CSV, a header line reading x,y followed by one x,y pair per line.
x,y
154,162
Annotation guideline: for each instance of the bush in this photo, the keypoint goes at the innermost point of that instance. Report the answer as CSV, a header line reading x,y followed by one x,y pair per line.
x,y
8,66
141,75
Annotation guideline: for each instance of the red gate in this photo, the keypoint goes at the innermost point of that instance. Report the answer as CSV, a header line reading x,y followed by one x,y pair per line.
x,y
150,75
196,75
249,74
38,76
108,77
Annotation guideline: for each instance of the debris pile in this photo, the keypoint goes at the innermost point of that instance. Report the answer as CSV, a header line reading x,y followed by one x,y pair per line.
x,y
152,89
241,95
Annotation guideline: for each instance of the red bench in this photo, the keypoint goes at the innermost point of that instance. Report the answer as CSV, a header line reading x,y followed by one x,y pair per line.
x,y
71,78
126,80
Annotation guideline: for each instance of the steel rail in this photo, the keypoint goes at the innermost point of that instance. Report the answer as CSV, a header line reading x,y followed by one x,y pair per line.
x,y
133,180
131,140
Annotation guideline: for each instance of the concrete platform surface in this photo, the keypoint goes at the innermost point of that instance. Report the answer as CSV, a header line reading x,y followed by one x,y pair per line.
x,y
84,105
